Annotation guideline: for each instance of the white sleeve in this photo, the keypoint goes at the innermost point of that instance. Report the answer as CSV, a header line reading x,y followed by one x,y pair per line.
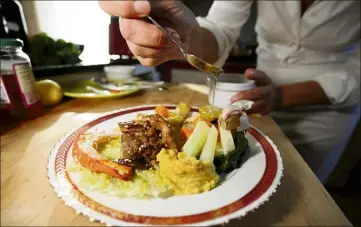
x,y
342,83
225,20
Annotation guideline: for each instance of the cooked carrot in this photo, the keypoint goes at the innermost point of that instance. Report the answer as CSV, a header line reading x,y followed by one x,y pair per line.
x,y
96,163
162,111
186,132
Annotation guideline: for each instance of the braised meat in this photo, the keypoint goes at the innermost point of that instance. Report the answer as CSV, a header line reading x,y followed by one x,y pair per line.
x,y
142,140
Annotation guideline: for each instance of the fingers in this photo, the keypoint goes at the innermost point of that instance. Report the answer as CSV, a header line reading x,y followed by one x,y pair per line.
x,y
152,61
152,52
142,33
258,76
261,95
148,52
148,44
260,106
253,94
126,9
158,59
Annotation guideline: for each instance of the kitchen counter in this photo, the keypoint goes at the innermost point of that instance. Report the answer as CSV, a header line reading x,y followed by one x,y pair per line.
x,y
28,199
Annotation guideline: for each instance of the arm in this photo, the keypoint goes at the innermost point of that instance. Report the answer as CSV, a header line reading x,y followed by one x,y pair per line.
x,y
341,84
337,88
300,94
210,38
220,30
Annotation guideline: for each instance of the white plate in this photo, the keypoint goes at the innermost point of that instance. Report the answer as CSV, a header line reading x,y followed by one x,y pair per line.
x,y
243,190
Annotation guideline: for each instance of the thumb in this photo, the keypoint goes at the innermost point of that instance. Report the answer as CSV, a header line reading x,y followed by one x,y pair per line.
x,y
259,77
142,8
172,32
126,9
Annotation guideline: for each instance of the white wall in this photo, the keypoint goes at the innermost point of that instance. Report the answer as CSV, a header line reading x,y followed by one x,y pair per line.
x,y
80,22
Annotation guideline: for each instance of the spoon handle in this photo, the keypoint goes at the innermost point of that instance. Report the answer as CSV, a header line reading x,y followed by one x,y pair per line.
x,y
166,33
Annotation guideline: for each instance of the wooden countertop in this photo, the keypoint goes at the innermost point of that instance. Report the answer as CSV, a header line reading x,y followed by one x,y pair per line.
x,y
28,199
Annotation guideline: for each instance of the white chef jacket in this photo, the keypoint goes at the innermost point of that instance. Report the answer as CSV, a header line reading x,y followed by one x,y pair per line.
x,y
323,45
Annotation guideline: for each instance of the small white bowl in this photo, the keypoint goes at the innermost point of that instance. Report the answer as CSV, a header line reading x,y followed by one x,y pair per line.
x,y
227,86
119,72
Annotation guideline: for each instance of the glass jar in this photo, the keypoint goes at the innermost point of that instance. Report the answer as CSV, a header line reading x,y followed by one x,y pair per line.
x,y
17,81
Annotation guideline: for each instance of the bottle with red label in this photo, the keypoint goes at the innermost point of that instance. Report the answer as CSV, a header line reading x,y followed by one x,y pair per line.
x,y
19,97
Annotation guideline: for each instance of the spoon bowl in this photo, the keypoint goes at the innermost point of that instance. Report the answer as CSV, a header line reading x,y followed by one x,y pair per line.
x,y
203,65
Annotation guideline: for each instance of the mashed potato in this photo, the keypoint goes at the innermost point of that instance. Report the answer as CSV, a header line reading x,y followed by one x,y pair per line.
x,y
187,175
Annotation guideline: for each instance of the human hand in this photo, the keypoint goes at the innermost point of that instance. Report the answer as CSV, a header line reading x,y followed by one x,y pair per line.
x,y
148,44
266,96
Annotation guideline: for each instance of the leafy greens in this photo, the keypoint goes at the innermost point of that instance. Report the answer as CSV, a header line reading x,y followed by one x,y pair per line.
x,y
45,51
234,159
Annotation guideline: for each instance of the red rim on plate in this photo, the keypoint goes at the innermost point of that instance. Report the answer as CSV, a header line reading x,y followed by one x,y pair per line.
x,y
262,186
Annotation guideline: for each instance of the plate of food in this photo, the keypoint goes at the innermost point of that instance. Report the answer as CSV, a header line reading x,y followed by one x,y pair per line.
x,y
166,165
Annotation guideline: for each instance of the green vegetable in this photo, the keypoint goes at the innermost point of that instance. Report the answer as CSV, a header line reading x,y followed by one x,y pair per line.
x,y
209,148
235,159
196,141
182,110
45,51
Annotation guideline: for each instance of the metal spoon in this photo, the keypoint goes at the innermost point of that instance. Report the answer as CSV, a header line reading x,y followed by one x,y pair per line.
x,y
191,59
